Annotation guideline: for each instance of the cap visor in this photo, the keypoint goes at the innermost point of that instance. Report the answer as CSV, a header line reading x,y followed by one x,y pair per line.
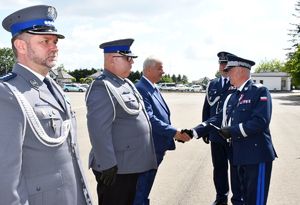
x,y
60,36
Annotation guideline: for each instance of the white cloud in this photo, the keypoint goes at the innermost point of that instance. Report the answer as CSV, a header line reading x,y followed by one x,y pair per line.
x,y
186,34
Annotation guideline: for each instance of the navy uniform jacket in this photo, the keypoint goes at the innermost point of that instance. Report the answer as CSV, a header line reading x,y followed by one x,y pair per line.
x,y
31,172
215,90
117,137
249,116
159,114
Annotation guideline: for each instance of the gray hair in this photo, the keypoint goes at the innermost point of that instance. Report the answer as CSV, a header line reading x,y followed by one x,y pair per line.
x,y
150,62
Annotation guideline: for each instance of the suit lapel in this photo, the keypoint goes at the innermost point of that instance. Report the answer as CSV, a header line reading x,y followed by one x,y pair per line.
x,y
46,95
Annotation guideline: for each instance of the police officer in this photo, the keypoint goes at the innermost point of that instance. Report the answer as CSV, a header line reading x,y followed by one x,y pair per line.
x,y
39,161
245,121
217,91
119,128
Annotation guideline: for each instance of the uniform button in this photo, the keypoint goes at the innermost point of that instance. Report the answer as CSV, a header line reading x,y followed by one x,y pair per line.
x,y
38,188
98,165
128,147
255,145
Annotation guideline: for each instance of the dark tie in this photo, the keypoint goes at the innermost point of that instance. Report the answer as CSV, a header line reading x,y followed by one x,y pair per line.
x,y
50,88
225,82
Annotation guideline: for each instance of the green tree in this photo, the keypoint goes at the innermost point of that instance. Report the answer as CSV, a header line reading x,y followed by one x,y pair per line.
x,y
174,78
82,73
184,79
178,80
7,60
166,79
270,66
135,76
292,66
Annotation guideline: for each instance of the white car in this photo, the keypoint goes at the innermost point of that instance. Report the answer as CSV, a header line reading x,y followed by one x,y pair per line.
x,y
195,88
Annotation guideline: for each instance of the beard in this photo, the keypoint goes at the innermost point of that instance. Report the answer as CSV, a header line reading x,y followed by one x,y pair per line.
x,y
48,61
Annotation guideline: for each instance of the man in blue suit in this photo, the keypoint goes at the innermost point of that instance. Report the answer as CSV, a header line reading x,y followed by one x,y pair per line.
x,y
162,131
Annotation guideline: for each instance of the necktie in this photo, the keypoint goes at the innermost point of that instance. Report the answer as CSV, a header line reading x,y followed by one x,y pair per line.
x,y
50,88
224,82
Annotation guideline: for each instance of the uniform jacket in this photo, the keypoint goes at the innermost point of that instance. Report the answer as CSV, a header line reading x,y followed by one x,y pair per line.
x,y
248,114
118,138
159,114
31,172
215,90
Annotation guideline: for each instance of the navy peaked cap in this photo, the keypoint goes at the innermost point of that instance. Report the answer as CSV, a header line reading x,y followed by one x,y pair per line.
x,y
235,61
223,56
35,20
121,46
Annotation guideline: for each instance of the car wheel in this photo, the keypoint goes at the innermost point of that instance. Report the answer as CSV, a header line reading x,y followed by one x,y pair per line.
x,y
66,90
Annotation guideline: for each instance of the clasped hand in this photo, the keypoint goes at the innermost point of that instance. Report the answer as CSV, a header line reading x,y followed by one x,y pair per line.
x,y
184,135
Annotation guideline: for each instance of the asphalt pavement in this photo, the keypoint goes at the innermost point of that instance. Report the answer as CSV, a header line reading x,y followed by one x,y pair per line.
x,y
185,175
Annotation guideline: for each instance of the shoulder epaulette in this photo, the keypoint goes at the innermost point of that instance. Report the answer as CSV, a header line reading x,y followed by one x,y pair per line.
x,y
258,85
100,77
8,76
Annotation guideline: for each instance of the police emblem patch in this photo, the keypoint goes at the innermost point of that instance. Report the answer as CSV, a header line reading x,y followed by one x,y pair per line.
x,y
52,14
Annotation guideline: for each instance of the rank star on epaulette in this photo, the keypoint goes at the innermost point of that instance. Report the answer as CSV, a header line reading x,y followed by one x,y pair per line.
x,y
8,76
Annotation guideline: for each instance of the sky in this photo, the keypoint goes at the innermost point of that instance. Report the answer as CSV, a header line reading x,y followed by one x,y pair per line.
x,y
185,34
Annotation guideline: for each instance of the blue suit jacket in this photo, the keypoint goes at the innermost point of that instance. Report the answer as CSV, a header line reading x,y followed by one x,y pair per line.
x,y
159,115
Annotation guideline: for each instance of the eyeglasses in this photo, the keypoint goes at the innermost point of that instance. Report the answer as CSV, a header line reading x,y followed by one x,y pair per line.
x,y
128,58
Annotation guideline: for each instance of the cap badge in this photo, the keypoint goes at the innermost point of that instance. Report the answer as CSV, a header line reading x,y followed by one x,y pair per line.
x,y
51,12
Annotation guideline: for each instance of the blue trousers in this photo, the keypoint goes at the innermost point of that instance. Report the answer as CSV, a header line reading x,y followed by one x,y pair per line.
x,y
255,181
145,183
220,154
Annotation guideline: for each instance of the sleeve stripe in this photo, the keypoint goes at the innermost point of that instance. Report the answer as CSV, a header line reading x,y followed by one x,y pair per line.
x,y
242,130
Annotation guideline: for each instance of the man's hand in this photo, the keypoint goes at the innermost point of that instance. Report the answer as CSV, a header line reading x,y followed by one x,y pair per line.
x,y
108,176
182,136
206,139
225,132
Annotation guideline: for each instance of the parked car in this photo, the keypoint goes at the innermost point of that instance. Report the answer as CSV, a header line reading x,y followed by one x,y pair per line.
x,y
181,88
195,88
73,88
166,86
84,85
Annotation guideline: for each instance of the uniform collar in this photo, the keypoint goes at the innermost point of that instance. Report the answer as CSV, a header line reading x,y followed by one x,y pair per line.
x,y
39,76
243,85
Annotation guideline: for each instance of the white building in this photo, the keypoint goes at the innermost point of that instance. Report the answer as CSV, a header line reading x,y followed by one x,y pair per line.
x,y
279,81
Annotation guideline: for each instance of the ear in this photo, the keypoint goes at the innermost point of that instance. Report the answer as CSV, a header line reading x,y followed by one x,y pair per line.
x,y
21,46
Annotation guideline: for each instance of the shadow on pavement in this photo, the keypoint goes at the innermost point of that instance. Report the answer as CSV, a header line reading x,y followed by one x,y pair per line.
x,y
289,99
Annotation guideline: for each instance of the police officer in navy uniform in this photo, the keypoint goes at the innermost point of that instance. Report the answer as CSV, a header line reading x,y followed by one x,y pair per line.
x,y
119,128
244,122
39,160
216,92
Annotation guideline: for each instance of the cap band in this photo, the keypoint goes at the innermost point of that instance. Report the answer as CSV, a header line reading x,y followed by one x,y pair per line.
x,y
114,49
27,25
238,63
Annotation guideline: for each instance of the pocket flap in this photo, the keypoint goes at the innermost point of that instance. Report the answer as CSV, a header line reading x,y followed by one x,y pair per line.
x,y
43,183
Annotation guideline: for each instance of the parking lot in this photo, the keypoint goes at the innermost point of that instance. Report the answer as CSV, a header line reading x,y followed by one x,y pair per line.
x,y
185,176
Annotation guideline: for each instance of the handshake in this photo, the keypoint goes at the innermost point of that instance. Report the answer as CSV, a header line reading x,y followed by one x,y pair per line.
x,y
184,135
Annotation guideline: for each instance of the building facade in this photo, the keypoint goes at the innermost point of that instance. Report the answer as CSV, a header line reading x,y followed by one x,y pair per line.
x,y
274,81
